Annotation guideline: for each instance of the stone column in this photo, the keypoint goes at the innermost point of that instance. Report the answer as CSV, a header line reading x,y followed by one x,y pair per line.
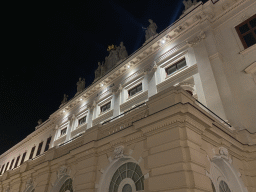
x,y
89,118
116,103
152,81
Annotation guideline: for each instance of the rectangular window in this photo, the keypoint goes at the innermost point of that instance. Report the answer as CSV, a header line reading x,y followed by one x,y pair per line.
x,y
105,107
23,157
135,90
247,32
175,67
11,164
17,160
82,120
47,144
6,166
63,131
2,169
39,148
32,152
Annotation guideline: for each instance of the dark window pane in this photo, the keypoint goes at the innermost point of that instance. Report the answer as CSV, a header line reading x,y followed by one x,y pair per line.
x,y
2,169
253,23
105,107
181,64
249,39
39,149
47,144
23,157
11,164
32,152
63,131
82,120
244,28
17,160
139,88
171,70
6,166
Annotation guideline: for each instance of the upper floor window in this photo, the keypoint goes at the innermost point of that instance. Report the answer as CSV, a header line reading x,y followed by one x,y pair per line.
x,y
82,120
2,169
23,157
39,148
11,164
17,160
47,143
6,166
32,152
175,67
63,131
135,90
105,107
247,32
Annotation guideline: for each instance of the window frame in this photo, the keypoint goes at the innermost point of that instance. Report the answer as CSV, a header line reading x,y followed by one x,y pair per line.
x,y
23,157
2,169
135,88
84,117
241,36
32,152
39,149
106,104
48,142
11,163
6,166
62,134
176,66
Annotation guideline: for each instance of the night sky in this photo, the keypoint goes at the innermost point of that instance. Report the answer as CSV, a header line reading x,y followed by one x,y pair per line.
x,y
48,46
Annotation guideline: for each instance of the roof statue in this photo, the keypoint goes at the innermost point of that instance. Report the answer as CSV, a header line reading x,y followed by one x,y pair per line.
x,y
80,85
65,100
150,30
116,55
189,4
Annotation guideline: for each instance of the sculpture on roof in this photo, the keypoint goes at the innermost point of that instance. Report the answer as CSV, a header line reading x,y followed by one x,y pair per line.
x,y
116,55
189,4
65,99
150,30
122,51
80,85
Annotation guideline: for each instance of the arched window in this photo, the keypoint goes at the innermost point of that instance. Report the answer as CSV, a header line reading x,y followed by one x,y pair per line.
x,y
130,172
224,187
67,186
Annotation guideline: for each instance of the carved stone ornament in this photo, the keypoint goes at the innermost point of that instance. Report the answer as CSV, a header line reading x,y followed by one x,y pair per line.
x,y
62,171
197,39
223,153
119,152
29,183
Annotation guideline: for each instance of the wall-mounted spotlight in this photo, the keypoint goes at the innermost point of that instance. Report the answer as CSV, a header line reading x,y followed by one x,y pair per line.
x,y
163,41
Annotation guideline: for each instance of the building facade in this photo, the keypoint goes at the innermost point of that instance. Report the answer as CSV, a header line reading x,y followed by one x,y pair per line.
x,y
176,115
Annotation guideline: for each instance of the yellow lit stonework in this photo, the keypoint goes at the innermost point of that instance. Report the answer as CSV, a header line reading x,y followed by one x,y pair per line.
x,y
188,126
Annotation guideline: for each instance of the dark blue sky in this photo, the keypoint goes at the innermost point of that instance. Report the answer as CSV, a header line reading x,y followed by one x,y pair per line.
x,y
48,46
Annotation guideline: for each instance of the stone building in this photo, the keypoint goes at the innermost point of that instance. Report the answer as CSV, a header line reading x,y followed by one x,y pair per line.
x,y
176,115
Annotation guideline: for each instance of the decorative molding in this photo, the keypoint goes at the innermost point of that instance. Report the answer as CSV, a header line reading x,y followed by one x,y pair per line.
x,y
170,52
197,39
103,117
62,172
187,70
119,152
142,95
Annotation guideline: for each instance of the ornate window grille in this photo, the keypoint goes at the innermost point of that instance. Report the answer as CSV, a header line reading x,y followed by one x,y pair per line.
x,y
224,187
67,186
128,170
